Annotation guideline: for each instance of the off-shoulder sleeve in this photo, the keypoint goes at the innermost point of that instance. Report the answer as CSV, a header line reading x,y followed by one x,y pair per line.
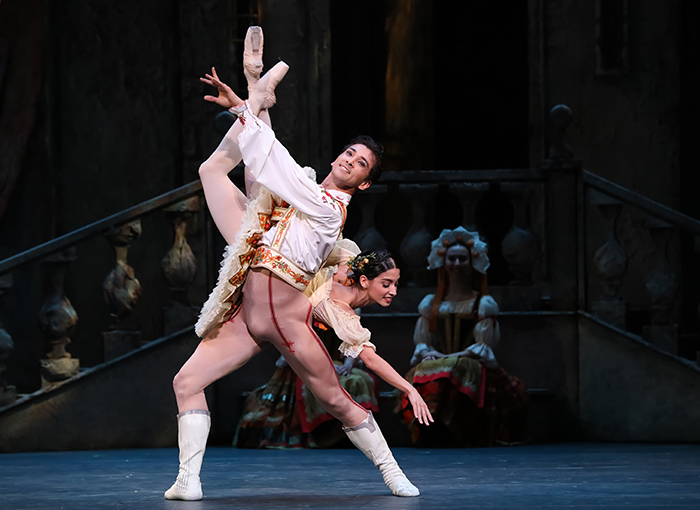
x,y
347,327
487,332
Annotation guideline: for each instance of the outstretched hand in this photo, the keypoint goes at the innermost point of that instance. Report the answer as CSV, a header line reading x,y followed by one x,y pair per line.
x,y
227,97
420,408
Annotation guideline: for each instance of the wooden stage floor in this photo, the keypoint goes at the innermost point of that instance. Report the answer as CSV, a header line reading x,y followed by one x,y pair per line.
x,y
559,476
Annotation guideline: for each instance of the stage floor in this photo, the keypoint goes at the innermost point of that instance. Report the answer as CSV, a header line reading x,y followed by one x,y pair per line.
x,y
561,476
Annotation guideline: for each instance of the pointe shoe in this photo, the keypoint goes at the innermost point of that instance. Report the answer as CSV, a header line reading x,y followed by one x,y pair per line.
x,y
262,94
252,55
193,430
369,440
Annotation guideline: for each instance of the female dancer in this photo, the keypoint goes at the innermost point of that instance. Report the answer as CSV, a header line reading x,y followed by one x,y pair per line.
x,y
348,281
456,372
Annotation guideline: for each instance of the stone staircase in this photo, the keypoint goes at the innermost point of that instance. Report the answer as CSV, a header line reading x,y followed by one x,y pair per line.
x,y
602,363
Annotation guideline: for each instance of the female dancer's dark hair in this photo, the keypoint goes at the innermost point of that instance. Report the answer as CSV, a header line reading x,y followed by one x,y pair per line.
x,y
370,263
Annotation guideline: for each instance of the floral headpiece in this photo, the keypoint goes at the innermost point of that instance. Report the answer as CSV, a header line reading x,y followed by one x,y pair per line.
x,y
479,250
358,263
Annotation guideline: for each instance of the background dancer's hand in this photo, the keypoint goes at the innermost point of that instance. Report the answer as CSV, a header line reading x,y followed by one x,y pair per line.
x,y
227,97
429,355
420,408
345,369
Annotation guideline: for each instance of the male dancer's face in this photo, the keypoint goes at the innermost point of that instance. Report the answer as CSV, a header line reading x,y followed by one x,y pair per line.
x,y
351,168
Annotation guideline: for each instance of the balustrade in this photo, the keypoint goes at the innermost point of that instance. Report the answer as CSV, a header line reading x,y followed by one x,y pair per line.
x,y
121,292
368,237
610,263
521,250
415,246
662,285
55,262
57,321
180,267
558,210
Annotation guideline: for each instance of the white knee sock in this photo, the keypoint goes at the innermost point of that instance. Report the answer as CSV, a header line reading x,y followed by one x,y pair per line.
x,y
369,439
193,430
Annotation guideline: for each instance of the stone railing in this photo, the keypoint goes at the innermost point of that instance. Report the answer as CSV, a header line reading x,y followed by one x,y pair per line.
x,y
28,313
630,265
559,237
409,209
628,252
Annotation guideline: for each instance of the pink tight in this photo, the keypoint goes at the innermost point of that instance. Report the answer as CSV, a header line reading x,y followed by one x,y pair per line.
x,y
272,311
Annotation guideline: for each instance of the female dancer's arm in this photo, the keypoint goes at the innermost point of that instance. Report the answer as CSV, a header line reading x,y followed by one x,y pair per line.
x,y
380,367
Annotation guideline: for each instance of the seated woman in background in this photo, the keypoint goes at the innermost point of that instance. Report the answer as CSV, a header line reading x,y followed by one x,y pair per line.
x,y
283,413
474,401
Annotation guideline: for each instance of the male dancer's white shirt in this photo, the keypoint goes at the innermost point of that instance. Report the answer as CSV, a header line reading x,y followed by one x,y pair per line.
x,y
314,229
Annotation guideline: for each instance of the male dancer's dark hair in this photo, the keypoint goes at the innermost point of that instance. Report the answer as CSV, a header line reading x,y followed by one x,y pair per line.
x,y
375,171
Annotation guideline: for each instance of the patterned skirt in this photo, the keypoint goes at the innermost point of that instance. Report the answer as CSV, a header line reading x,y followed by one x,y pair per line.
x,y
472,405
285,414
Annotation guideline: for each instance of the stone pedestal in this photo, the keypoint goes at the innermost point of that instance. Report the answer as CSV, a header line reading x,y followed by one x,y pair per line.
x,y
612,311
663,337
118,343
56,370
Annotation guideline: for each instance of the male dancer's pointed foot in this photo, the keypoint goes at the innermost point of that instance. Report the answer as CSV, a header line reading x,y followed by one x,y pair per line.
x,y
252,55
262,94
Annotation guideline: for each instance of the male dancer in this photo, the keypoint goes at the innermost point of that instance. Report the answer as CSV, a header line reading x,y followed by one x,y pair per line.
x,y
273,307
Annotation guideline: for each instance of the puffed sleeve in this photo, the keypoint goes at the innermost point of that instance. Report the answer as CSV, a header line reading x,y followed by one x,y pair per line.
x,y
422,338
487,332
270,164
347,327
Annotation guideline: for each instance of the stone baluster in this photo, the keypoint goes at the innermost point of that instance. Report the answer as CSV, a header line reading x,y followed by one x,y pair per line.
x,y
368,237
610,262
521,250
469,194
121,292
415,246
57,321
662,284
180,267
8,394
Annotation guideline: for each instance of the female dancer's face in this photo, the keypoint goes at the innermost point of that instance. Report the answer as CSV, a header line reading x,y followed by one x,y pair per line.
x,y
457,260
382,289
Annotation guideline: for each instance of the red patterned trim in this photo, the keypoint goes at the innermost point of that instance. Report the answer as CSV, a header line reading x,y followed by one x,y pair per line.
x,y
478,398
280,265
278,213
282,227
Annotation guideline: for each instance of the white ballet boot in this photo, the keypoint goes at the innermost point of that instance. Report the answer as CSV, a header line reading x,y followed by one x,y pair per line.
x,y
193,430
369,439
252,55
